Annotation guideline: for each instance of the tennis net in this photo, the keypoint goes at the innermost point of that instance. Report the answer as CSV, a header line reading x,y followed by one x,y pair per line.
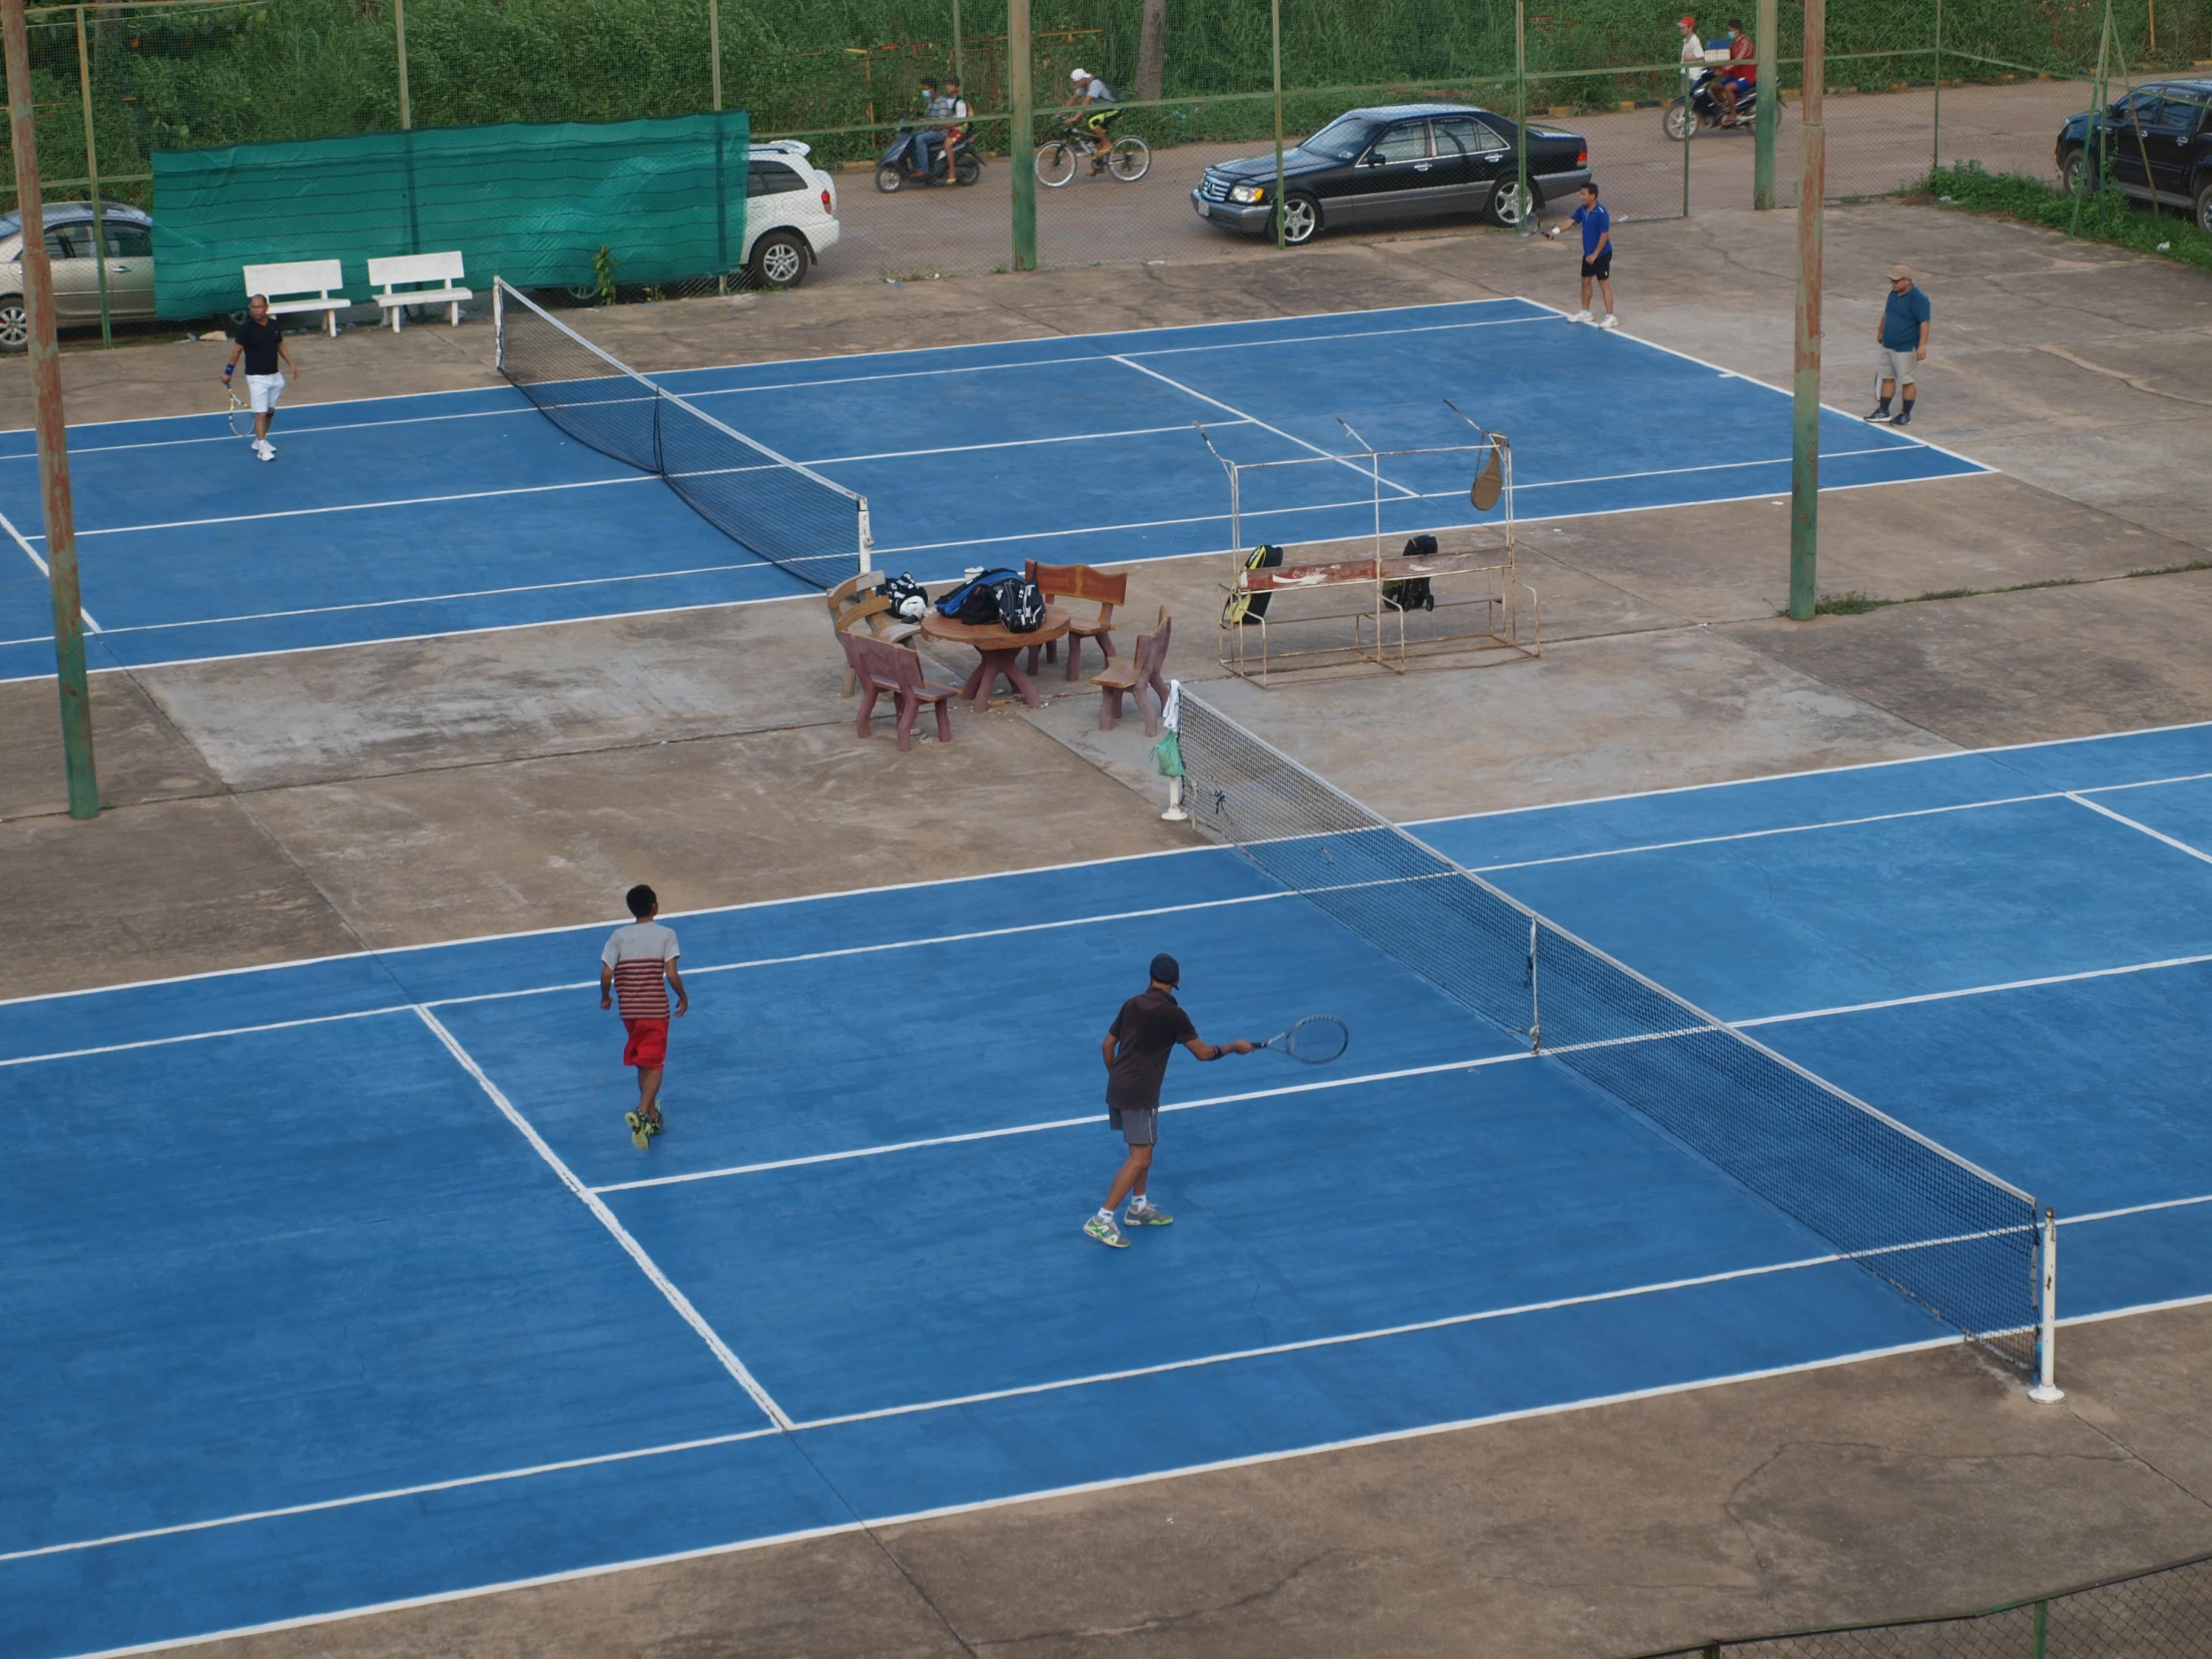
x,y
1954,1239
771,505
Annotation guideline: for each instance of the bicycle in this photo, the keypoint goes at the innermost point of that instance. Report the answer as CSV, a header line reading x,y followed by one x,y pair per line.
x,y
1129,159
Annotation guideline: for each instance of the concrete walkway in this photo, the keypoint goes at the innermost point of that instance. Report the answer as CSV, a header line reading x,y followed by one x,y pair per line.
x,y
294,805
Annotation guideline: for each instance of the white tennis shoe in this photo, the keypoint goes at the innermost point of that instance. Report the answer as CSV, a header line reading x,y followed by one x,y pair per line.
x,y
265,449
1579,316
1611,322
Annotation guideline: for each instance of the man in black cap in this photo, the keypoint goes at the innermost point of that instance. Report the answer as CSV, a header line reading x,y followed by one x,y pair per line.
x,y
1137,1047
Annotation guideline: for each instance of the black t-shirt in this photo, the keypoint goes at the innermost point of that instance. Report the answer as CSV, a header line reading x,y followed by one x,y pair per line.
x,y
260,340
1149,1026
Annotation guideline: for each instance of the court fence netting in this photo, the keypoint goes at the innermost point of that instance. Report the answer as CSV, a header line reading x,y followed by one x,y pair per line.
x,y
1966,1246
2162,1612
768,503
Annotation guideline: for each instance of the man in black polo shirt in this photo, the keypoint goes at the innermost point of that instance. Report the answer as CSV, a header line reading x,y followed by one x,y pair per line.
x,y
261,344
1137,1047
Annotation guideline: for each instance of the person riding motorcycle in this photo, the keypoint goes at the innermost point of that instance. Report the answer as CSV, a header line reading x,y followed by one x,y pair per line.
x,y
1097,100
1742,73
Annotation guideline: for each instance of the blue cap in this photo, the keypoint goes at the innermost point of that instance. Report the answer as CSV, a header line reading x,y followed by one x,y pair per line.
x,y
1165,971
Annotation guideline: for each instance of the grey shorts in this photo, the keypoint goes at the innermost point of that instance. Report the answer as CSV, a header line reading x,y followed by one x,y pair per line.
x,y
1139,1126
1897,366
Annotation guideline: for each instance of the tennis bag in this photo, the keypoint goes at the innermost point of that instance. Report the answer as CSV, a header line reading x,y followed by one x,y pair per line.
x,y
1411,592
1250,607
907,596
1020,604
977,600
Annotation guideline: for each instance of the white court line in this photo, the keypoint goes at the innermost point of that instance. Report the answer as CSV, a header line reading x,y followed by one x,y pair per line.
x,y
369,506
2081,798
606,1218
1192,391
1010,443
2136,1210
1057,1123
1975,990
1112,1483
292,431
669,1450
45,574
202,1036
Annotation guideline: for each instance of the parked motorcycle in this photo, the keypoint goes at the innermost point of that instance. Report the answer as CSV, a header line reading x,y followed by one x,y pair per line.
x,y
1705,101
895,171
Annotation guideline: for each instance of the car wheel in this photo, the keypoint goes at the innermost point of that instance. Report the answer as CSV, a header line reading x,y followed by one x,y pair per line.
x,y
780,261
15,325
2069,169
2204,207
968,169
889,176
582,296
1511,204
1679,122
1301,220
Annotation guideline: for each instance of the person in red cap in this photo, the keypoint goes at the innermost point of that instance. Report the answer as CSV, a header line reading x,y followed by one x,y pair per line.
x,y
1693,49
1137,1047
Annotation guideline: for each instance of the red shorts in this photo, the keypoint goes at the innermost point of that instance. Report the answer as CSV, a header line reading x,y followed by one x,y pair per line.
x,y
647,1048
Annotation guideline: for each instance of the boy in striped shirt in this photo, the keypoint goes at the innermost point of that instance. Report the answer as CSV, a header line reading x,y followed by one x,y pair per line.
x,y
639,965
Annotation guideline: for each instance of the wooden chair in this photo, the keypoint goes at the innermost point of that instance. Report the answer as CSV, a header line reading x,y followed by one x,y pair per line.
x,y
1079,582
1136,676
853,603
882,667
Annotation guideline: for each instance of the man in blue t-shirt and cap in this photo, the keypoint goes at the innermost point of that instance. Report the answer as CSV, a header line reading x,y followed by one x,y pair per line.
x,y
1902,337
1597,254
1137,1047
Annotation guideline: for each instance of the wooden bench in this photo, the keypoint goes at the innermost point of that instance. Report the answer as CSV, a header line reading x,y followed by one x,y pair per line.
x,y
883,666
1095,587
1135,676
854,603
390,274
303,285
1364,586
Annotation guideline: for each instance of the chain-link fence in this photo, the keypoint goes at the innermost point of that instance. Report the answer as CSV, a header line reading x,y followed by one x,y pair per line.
x,y
1911,83
2162,1614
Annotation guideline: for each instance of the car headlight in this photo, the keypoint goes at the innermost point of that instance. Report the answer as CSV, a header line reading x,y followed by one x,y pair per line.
x,y
1249,192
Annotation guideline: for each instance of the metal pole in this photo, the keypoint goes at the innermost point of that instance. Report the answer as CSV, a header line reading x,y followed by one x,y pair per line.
x,y
1520,115
714,45
2046,1390
1275,25
92,177
1936,135
1768,120
399,41
958,74
1689,131
1805,447
1022,140
53,431
2092,154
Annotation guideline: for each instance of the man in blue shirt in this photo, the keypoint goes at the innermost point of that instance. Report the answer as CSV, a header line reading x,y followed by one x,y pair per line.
x,y
1903,340
1597,254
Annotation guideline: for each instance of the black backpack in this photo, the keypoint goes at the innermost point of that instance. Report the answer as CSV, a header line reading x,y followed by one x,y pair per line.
x,y
1020,604
1250,607
909,600
1412,593
977,600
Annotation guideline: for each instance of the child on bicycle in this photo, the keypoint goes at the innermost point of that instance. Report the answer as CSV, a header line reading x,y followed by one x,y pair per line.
x,y
1097,100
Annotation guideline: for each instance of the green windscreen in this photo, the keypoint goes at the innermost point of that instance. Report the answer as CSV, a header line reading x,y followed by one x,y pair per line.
x,y
531,203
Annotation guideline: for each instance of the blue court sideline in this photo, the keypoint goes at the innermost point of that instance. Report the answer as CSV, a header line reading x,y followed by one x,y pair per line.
x,y
402,517
338,1284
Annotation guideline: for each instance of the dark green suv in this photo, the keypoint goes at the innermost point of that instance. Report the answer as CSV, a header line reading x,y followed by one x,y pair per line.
x,y
2157,145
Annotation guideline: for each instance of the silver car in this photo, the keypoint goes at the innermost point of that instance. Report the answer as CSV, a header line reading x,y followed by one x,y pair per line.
x,y
69,246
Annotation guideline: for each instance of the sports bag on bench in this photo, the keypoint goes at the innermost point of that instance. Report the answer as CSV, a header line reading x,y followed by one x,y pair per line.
x,y
1411,592
977,600
1020,604
1250,607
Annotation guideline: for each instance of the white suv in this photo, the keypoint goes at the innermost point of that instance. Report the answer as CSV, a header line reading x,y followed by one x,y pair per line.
x,y
790,214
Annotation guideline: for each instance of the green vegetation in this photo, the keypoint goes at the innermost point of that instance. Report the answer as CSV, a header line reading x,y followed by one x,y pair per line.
x,y
2106,215
1857,602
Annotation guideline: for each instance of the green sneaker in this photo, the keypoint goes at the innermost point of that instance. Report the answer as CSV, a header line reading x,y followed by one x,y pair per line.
x,y
653,1124
1144,1215
1106,1232
641,1132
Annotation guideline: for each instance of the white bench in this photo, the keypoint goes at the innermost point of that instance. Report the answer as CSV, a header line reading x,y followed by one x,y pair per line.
x,y
387,274
310,283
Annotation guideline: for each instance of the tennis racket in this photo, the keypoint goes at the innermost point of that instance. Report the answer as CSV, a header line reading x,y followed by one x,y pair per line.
x,y
1316,1039
242,417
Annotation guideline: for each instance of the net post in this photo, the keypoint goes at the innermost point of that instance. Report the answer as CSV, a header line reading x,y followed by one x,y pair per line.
x,y
1535,995
499,322
2046,1390
867,540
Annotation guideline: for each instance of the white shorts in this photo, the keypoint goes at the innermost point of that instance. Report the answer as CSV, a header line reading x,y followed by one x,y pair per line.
x,y
263,391
1897,366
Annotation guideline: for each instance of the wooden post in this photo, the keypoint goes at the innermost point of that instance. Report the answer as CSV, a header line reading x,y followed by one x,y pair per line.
x,y
399,43
1275,24
1520,115
53,431
1768,119
1022,143
92,177
1805,448
714,44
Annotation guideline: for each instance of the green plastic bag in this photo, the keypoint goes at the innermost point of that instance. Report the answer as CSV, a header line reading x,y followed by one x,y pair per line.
x,y
1167,754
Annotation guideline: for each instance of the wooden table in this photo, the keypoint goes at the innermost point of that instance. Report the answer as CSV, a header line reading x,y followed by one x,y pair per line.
x,y
1000,650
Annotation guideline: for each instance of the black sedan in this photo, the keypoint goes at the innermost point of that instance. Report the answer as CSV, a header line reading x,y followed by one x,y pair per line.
x,y
1403,162
2157,145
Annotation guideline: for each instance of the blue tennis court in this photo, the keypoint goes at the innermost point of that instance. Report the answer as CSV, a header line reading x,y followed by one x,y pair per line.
x,y
404,517
339,1285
